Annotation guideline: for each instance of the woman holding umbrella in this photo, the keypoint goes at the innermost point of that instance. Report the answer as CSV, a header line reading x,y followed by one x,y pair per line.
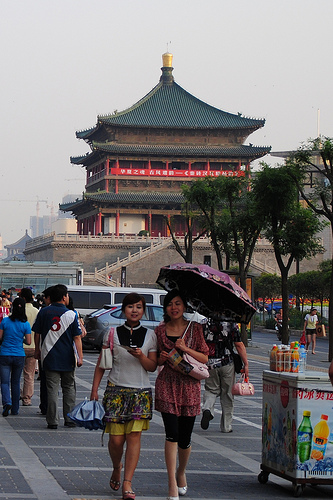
x,y
177,395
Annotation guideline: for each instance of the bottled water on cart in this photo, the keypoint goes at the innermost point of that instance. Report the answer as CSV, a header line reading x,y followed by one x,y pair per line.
x,y
302,359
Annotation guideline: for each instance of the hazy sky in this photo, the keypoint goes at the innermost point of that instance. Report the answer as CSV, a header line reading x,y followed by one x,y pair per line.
x,y
64,62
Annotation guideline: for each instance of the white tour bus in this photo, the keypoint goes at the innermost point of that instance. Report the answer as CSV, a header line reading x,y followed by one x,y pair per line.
x,y
87,299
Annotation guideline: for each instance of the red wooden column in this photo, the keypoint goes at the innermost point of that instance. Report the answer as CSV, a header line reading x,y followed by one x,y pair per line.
x,y
116,180
149,222
98,223
107,173
117,222
167,227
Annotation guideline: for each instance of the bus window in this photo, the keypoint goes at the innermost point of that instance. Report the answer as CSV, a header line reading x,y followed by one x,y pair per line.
x,y
98,299
119,297
80,299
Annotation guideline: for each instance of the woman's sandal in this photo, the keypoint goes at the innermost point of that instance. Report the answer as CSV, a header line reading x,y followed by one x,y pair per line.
x,y
128,494
115,485
182,490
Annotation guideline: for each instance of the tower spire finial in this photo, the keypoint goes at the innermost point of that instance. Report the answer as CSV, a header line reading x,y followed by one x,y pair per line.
x,y
167,68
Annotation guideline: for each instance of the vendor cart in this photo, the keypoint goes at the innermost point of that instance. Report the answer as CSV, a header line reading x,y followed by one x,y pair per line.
x,y
297,428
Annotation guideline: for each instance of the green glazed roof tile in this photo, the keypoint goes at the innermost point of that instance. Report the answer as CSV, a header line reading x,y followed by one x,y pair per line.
x,y
131,197
170,106
125,197
180,150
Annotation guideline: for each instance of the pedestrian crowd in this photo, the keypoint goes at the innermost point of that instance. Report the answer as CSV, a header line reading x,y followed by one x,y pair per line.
x,y
52,335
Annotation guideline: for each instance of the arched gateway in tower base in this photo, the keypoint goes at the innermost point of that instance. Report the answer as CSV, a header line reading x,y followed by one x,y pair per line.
x,y
140,157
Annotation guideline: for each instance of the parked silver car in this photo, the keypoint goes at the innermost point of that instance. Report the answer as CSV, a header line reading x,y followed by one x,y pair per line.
x,y
100,322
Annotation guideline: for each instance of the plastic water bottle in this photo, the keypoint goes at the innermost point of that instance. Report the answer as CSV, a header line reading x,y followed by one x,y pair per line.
x,y
295,360
302,359
287,359
279,359
272,358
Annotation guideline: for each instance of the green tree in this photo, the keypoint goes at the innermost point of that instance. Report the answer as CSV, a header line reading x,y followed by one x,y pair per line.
x,y
229,210
314,180
242,221
290,228
311,285
267,287
189,238
325,268
230,216
298,285
205,194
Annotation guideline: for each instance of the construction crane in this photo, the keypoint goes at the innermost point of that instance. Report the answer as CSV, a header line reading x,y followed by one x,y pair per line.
x,y
33,201
37,208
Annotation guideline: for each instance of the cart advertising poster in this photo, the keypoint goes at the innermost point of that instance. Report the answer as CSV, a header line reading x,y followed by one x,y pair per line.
x,y
297,424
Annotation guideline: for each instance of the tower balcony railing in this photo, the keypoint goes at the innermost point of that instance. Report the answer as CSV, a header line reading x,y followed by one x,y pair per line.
x,y
112,238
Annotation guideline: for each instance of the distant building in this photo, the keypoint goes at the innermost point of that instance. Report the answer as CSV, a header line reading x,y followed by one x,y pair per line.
x,y
15,250
41,225
140,157
3,252
39,275
64,225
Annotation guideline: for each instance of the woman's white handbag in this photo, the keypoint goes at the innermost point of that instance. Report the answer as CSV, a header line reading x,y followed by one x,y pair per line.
x,y
106,356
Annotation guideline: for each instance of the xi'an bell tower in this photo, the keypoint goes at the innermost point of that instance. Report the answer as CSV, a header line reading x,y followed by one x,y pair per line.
x,y
139,158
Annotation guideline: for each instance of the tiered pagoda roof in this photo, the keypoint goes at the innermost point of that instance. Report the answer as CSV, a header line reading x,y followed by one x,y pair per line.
x,y
138,198
170,150
170,106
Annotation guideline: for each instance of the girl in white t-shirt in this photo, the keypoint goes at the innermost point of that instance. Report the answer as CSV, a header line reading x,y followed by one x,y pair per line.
x,y
310,324
128,396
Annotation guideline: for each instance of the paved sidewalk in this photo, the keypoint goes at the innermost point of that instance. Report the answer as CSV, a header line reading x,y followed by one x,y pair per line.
x,y
41,464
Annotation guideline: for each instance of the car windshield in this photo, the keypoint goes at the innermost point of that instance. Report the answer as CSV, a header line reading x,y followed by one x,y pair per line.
x,y
120,315
105,308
